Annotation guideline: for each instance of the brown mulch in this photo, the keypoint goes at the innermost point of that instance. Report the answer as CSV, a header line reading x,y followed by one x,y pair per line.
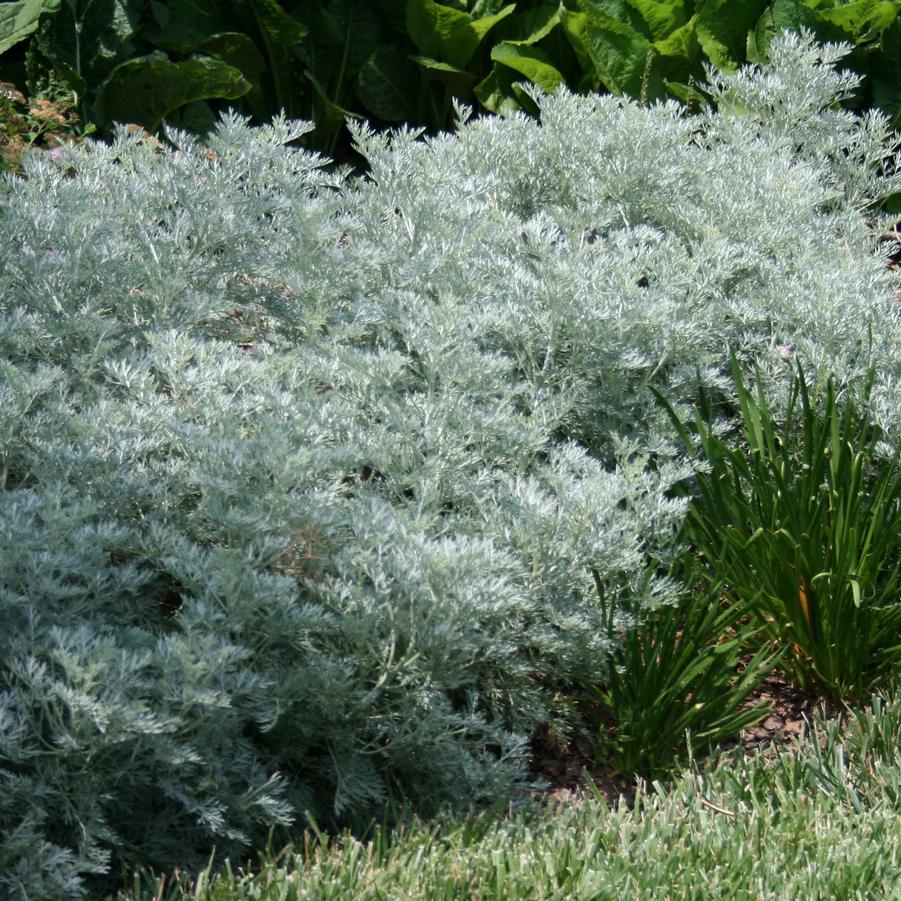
x,y
792,710
569,772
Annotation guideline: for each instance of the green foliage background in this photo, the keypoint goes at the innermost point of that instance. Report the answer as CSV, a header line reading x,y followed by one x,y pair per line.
x,y
395,61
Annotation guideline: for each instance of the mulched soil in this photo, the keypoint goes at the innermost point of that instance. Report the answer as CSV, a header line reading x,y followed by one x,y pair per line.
x,y
569,772
792,711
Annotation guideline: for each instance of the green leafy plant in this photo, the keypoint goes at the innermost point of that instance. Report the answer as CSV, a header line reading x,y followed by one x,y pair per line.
x,y
393,61
802,521
130,60
677,682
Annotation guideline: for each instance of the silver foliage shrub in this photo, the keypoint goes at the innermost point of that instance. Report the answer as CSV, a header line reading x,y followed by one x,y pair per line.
x,y
303,473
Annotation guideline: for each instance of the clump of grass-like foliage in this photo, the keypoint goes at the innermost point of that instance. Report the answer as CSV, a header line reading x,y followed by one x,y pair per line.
x,y
802,520
677,681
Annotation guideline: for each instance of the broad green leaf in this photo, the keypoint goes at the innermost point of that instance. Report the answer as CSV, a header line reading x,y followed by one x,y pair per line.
x,y
18,20
197,117
160,13
723,27
790,14
447,34
87,43
530,25
442,71
618,54
395,13
147,89
687,93
329,116
387,84
435,65
892,203
620,10
483,24
662,17
179,26
780,15
574,27
531,62
855,22
682,43
525,101
458,80
238,50
677,58
495,92
758,40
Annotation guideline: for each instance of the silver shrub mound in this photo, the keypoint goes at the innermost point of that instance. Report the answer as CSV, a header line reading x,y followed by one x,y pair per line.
x,y
303,474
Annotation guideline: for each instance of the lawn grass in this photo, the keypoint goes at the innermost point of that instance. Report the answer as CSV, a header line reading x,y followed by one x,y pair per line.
x,y
820,819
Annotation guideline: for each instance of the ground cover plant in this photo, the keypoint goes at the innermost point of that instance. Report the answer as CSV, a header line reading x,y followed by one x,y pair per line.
x,y
820,820
304,476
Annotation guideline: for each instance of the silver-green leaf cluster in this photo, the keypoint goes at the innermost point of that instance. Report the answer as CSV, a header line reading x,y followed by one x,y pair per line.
x,y
303,475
